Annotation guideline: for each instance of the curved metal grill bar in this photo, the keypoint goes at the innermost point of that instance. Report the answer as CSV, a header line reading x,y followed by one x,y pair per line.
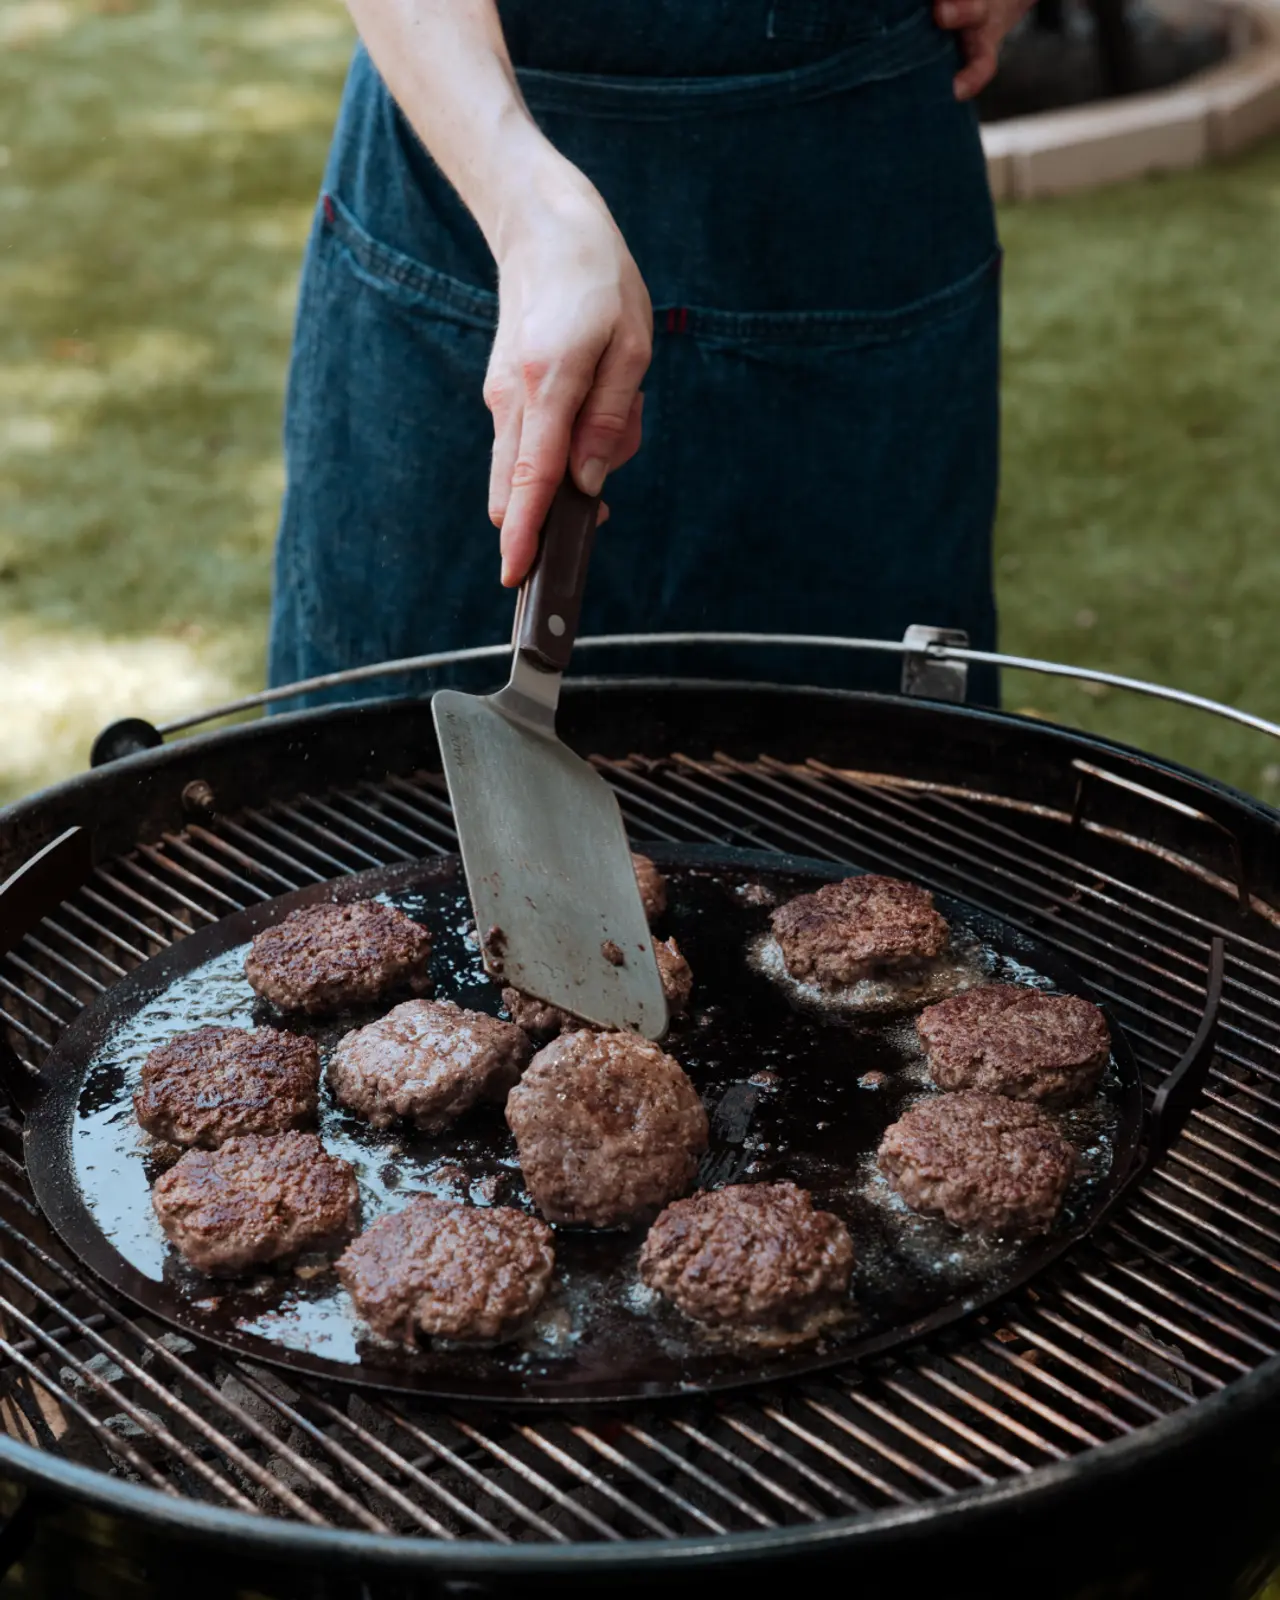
x,y
938,652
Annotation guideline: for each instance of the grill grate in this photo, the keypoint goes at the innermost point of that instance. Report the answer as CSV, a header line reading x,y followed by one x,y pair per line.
x,y
1175,1300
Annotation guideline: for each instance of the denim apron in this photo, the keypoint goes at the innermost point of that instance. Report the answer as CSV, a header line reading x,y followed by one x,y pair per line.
x,y
808,205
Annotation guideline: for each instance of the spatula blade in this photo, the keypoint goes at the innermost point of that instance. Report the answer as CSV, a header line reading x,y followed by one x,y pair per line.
x,y
556,903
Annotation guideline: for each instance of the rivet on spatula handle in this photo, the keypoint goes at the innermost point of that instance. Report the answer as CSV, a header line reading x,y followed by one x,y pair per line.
x,y
551,596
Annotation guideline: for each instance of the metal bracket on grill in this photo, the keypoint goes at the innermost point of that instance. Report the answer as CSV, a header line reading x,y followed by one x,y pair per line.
x,y
1085,772
924,676
1179,1094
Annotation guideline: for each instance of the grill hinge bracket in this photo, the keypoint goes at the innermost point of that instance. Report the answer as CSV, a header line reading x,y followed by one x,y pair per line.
x,y
924,677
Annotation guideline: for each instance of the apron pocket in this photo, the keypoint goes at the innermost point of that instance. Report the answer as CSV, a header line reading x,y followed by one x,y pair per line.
x,y
842,329
410,284
387,441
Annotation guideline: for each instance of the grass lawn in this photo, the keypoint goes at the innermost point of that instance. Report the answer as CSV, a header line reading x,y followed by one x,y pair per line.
x,y
158,161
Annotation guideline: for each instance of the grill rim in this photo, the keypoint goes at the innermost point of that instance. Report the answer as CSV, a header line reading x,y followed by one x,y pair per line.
x,y
1175,1432
1160,1439
575,695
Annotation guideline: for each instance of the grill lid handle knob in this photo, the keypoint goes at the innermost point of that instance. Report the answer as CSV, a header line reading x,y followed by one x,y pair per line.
x,y
124,738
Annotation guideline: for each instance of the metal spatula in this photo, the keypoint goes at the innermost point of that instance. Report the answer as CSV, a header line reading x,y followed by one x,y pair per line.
x,y
557,907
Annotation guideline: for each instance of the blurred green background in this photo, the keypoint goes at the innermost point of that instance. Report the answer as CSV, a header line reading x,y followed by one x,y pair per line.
x,y
158,164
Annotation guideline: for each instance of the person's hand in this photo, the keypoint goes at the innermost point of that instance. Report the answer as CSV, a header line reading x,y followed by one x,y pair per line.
x,y
982,26
575,333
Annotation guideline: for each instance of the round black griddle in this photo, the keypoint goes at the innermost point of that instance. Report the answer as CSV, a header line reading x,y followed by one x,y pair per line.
x,y
792,1092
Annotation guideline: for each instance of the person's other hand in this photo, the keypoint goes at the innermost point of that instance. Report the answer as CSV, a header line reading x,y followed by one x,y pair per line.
x,y
575,333
982,26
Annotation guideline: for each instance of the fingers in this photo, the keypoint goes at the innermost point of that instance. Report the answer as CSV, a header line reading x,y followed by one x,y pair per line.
x,y
607,431
585,450
506,445
630,441
554,396
535,418
503,402
956,14
980,68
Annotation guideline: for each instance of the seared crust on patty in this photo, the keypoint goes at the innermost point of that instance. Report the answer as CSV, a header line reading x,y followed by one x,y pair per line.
x,y
204,1087
652,886
608,1129
542,1020
326,957
858,928
1018,1042
981,1161
453,1271
258,1198
427,1061
750,1255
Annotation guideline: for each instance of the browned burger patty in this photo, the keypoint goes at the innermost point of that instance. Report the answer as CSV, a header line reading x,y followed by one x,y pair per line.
x,y
1017,1042
537,1017
326,957
750,1255
258,1198
457,1272
608,1129
202,1088
652,885
981,1161
427,1061
858,928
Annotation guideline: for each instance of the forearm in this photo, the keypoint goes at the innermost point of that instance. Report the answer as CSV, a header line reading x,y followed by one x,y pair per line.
x,y
575,325
446,64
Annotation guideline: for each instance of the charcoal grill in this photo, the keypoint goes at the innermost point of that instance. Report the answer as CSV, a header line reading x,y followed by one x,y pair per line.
x,y
1107,1429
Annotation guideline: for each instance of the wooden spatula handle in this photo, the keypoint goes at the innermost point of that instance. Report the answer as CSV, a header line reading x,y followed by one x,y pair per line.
x,y
551,596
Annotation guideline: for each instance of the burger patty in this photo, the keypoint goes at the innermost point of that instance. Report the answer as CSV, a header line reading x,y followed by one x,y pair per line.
x,y
750,1255
982,1161
205,1087
326,957
1018,1042
258,1198
427,1061
607,1127
652,886
858,928
539,1018
453,1271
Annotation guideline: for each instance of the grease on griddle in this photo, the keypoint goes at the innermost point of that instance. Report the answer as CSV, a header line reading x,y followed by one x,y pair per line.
x,y
904,989
811,1123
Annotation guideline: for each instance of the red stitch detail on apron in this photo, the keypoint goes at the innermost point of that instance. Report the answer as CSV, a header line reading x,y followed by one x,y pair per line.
x,y
328,209
671,320
684,319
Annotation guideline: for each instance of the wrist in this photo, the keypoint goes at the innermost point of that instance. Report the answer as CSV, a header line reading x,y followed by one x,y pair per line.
x,y
539,188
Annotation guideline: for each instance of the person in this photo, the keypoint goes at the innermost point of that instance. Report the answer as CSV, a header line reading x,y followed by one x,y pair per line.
x,y
743,249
